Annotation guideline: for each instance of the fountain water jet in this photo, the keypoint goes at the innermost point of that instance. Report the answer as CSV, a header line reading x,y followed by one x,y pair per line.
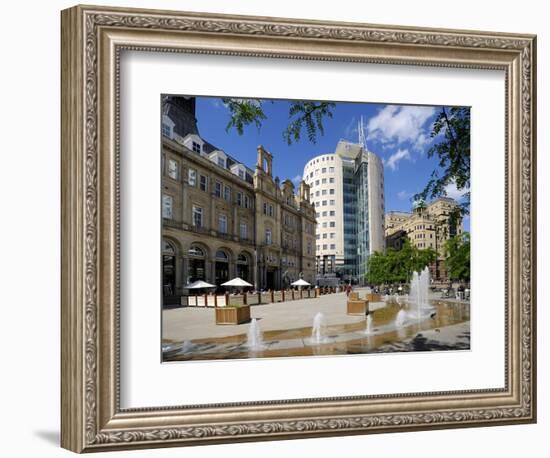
x,y
368,327
418,299
254,336
400,318
317,329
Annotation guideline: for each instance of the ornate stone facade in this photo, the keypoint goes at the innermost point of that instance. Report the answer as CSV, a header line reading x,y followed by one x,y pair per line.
x,y
427,226
222,220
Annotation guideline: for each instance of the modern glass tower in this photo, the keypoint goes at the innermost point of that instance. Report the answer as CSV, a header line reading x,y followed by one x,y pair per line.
x,y
347,188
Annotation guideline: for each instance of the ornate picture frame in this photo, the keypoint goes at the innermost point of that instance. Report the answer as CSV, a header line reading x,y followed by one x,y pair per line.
x,y
93,39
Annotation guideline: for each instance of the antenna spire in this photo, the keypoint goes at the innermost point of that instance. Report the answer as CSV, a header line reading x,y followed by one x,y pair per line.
x,y
362,134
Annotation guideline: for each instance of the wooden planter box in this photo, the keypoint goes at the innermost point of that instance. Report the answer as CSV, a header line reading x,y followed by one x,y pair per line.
x,y
353,296
358,307
374,297
232,315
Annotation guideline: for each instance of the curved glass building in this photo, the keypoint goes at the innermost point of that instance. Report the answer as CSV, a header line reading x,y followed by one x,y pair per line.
x,y
347,189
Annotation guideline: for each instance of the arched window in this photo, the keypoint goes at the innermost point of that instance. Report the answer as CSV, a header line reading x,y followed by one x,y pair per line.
x,y
168,248
168,268
196,251
221,255
221,267
196,264
243,270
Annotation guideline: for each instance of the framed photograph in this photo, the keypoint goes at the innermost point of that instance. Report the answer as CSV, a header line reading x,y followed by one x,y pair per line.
x,y
279,228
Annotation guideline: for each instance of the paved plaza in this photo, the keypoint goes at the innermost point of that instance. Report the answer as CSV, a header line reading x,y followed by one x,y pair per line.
x,y
188,323
286,329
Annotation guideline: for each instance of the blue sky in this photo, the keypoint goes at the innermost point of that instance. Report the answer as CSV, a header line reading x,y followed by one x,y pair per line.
x,y
398,134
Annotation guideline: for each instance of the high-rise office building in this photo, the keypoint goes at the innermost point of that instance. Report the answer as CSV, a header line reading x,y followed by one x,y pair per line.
x,y
347,189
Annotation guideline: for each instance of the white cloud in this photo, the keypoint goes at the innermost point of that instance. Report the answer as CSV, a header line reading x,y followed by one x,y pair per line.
x,y
401,124
396,157
453,192
296,180
403,195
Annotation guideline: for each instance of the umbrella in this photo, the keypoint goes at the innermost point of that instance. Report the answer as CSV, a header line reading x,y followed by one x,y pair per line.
x,y
199,284
238,282
301,282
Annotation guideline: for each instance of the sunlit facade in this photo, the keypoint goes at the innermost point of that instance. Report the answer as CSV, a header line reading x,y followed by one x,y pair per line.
x,y
347,189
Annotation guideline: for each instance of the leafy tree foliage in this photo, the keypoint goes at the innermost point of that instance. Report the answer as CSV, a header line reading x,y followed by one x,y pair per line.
x,y
309,115
457,257
453,152
244,112
397,266
302,115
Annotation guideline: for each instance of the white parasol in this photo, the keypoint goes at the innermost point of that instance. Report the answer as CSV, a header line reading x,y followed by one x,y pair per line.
x,y
199,284
238,282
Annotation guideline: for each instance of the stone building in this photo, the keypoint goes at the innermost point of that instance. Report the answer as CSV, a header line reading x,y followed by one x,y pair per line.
x,y
427,226
220,219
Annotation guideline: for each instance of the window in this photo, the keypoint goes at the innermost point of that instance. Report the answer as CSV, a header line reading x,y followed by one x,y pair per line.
x,y
324,203
243,231
196,251
331,191
227,193
317,215
247,202
325,224
332,224
221,162
332,213
268,239
222,255
203,183
197,216
168,248
316,193
324,247
241,174
332,246
324,181
265,208
318,236
218,189
166,131
270,210
192,177
173,169
324,192
240,199
333,235
324,235
222,224
324,170
167,203
331,180
309,247
196,147
324,213
332,202
331,169
316,182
